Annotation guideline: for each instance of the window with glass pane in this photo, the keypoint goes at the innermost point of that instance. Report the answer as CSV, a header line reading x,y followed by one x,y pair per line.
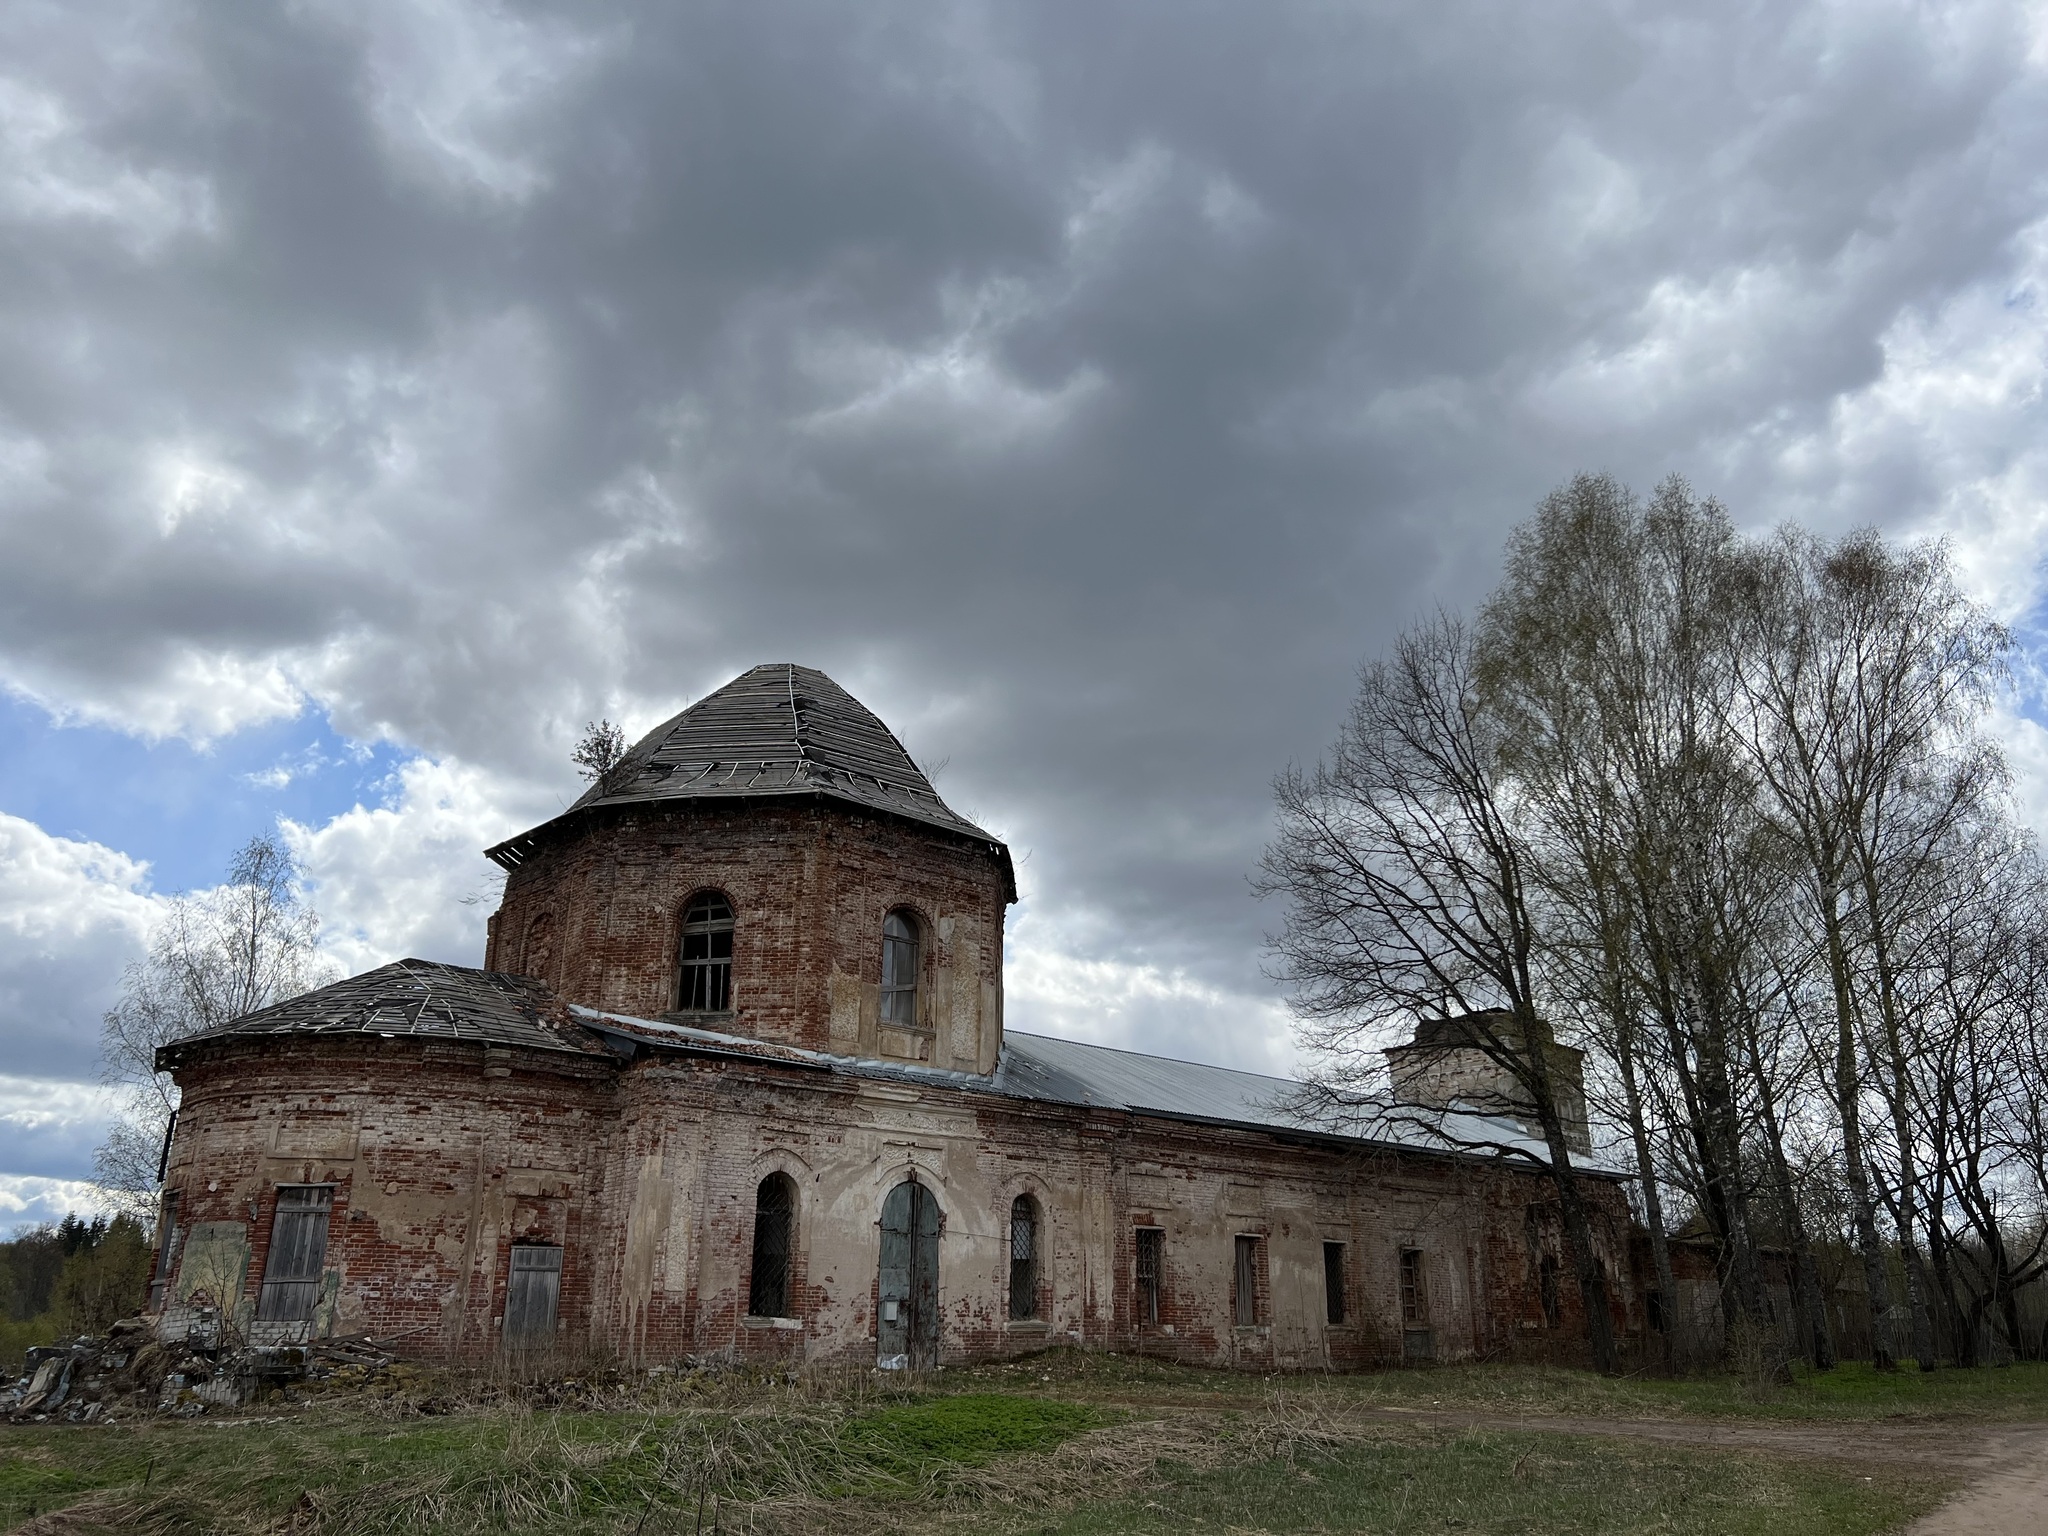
x,y
899,969
1023,1258
298,1254
707,955
774,1213
1151,1250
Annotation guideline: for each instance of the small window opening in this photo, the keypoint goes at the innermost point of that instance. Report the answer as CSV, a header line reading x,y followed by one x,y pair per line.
x,y
1333,1283
899,969
774,1213
533,1293
1414,1289
1023,1258
1547,1290
1247,1281
1151,1252
298,1254
1656,1304
707,955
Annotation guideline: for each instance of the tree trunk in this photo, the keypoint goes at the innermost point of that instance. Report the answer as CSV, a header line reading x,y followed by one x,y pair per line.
x,y
1653,1204
1848,1091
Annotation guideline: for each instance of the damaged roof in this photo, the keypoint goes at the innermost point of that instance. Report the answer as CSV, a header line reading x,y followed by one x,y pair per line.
x,y
420,998
778,730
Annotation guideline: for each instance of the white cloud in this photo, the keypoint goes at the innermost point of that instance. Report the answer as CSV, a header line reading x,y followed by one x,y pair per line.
x,y
27,1200
409,878
72,914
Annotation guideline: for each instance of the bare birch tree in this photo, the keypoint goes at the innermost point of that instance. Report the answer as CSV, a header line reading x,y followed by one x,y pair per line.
x,y
217,955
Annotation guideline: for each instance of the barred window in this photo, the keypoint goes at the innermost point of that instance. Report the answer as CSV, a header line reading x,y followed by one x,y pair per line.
x,y
298,1254
774,1222
706,955
1247,1281
1023,1258
899,969
1150,1266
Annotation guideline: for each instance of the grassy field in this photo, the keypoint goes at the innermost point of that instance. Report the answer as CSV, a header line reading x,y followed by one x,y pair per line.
x,y
1068,1444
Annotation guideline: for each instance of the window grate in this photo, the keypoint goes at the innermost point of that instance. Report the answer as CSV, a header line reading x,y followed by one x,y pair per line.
x,y
1151,1250
774,1210
706,956
293,1268
1023,1258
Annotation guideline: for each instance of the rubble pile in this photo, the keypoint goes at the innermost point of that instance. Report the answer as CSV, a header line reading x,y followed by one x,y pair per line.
x,y
135,1371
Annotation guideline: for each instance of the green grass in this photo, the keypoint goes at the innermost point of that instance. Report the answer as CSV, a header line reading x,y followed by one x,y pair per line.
x,y
1853,1391
1512,1485
1065,1443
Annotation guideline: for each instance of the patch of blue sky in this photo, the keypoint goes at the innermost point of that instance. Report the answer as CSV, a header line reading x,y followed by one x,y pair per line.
x,y
184,809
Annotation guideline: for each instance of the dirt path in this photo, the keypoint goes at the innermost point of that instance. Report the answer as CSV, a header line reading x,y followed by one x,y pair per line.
x,y
2007,1465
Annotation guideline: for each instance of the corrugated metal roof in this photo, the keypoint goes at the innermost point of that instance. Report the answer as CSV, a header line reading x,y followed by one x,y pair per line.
x,y
1047,1069
420,998
777,730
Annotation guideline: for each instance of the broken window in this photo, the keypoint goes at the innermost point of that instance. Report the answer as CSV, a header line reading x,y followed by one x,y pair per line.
x,y
533,1291
298,1254
899,969
1151,1250
774,1219
1547,1289
1333,1283
1023,1258
1247,1281
1414,1289
707,955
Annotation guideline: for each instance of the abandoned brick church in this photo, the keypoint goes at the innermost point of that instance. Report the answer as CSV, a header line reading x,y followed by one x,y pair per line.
x,y
734,1083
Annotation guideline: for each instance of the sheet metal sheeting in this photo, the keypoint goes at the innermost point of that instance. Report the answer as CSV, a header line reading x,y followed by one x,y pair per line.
x,y
410,997
1058,1071
777,730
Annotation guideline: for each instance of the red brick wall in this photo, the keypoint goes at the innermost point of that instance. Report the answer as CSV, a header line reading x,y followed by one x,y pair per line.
x,y
809,886
442,1155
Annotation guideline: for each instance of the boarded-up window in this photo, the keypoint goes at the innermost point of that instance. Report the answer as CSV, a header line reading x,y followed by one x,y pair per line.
x,y
899,969
1333,1283
298,1254
1023,1258
533,1291
1247,1286
706,955
1151,1252
774,1216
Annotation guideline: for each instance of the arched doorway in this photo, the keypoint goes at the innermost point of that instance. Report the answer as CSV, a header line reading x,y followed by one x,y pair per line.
x,y
907,1329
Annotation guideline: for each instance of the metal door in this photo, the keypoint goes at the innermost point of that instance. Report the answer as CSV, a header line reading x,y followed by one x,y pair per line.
x,y
532,1290
907,1331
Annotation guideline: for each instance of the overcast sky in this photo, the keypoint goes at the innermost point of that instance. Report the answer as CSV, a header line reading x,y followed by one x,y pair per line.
x,y
385,390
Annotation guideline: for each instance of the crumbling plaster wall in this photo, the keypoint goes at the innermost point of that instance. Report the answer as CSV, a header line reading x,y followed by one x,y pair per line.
x,y
440,1154
809,885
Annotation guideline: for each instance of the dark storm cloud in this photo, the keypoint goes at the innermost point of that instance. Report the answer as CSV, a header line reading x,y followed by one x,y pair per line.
x,y
1088,388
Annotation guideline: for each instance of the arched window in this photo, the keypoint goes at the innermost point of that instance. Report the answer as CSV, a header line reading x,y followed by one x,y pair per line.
x,y
706,956
1023,1258
899,969
774,1234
